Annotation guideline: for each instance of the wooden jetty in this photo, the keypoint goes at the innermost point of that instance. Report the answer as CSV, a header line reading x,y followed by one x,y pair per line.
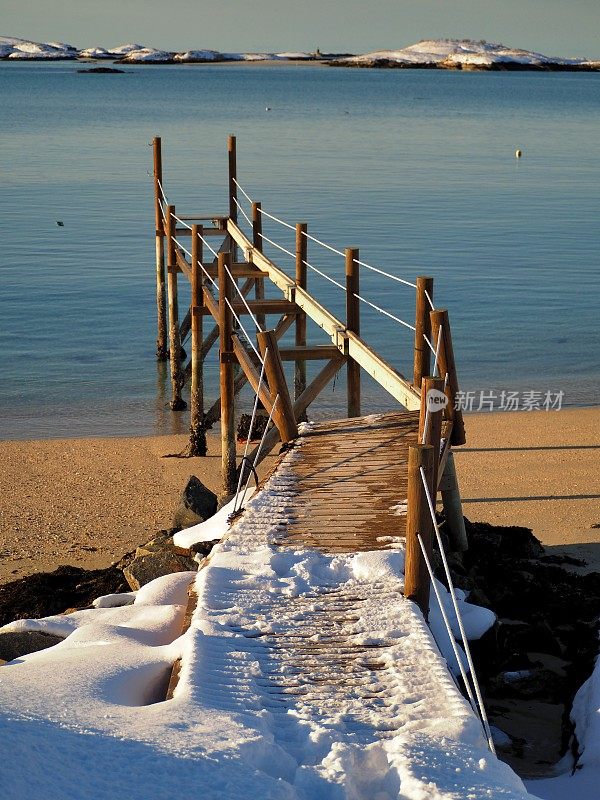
x,y
351,474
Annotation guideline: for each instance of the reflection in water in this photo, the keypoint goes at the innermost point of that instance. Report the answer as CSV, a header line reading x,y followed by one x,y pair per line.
x,y
166,420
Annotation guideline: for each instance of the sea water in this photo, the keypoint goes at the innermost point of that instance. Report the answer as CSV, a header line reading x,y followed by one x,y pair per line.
x,y
417,168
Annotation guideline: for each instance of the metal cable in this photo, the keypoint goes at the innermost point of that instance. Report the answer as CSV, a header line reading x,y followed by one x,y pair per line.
x,y
463,634
386,313
244,457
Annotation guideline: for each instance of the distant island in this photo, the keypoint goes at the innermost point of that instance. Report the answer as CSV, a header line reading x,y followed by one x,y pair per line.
x,y
453,54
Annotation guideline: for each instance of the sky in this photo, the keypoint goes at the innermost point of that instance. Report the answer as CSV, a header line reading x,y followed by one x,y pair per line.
x,y
554,27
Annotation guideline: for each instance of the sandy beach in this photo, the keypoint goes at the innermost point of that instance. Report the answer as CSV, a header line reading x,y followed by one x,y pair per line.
x,y
86,502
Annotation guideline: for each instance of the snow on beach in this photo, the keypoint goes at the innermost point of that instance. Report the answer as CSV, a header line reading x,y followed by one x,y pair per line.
x,y
303,675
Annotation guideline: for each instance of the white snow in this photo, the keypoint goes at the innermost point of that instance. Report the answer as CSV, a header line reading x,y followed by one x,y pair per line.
x,y
304,675
147,55
584,783
198,56
451,52
95,52
214,528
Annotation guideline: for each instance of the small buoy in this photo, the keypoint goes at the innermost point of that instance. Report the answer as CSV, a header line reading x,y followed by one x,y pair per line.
x,y
60,223
268,108
518,153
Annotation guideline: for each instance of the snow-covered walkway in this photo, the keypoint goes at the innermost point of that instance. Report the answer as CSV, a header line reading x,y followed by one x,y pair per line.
x,y
304,674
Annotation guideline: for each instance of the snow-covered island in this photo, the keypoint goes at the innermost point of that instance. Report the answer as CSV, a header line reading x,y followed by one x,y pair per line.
x,y
463,54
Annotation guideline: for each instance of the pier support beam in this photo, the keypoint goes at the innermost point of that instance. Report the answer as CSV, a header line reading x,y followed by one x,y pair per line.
x,y
440,330
161,293
283,415
353,325
197,429
418,522
301,282
430,424
259,291
453,506
422,355
177,377
227,359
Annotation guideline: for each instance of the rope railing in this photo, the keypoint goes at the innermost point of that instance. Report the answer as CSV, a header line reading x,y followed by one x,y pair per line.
x,y
243,191
465,641
251,429
322,243
241,209
453,642
324,275
383,311
260,446
277,246
162,191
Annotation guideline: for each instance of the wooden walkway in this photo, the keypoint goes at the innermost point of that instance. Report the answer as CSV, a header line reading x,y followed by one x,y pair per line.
x,y
349,478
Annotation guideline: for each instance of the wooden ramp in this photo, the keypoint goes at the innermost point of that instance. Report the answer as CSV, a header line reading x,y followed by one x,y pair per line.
x,y
350,481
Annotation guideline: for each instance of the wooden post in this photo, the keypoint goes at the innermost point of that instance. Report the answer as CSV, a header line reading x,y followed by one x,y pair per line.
x,y
197,430
228,449
161,293
447,366
232,159
259,291
301,275
353,325
453,506
431,433
177,375
283,416
418,521
422,356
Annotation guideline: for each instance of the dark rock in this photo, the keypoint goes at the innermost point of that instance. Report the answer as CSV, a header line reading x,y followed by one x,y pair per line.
x,y
148,566
243,428
102,71
14,644
47,593
488,540
541,683
203,548
197,504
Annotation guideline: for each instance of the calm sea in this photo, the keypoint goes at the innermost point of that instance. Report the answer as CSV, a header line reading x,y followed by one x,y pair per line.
x,y
417,168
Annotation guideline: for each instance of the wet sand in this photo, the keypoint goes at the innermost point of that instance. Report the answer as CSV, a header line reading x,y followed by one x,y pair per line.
x,y
86,502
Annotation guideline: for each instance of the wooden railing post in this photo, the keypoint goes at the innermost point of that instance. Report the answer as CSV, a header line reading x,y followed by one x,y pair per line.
x,y
447,366
301,276
422,356
232,160
418,521
430,423
226,357
197,430
283,416
353,325
177,376
257,243
161,293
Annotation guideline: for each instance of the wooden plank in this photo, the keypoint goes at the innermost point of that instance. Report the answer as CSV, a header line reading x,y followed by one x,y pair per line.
x,y
386,376
268,306
206,232
252,373
308,353
279,278
283,414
